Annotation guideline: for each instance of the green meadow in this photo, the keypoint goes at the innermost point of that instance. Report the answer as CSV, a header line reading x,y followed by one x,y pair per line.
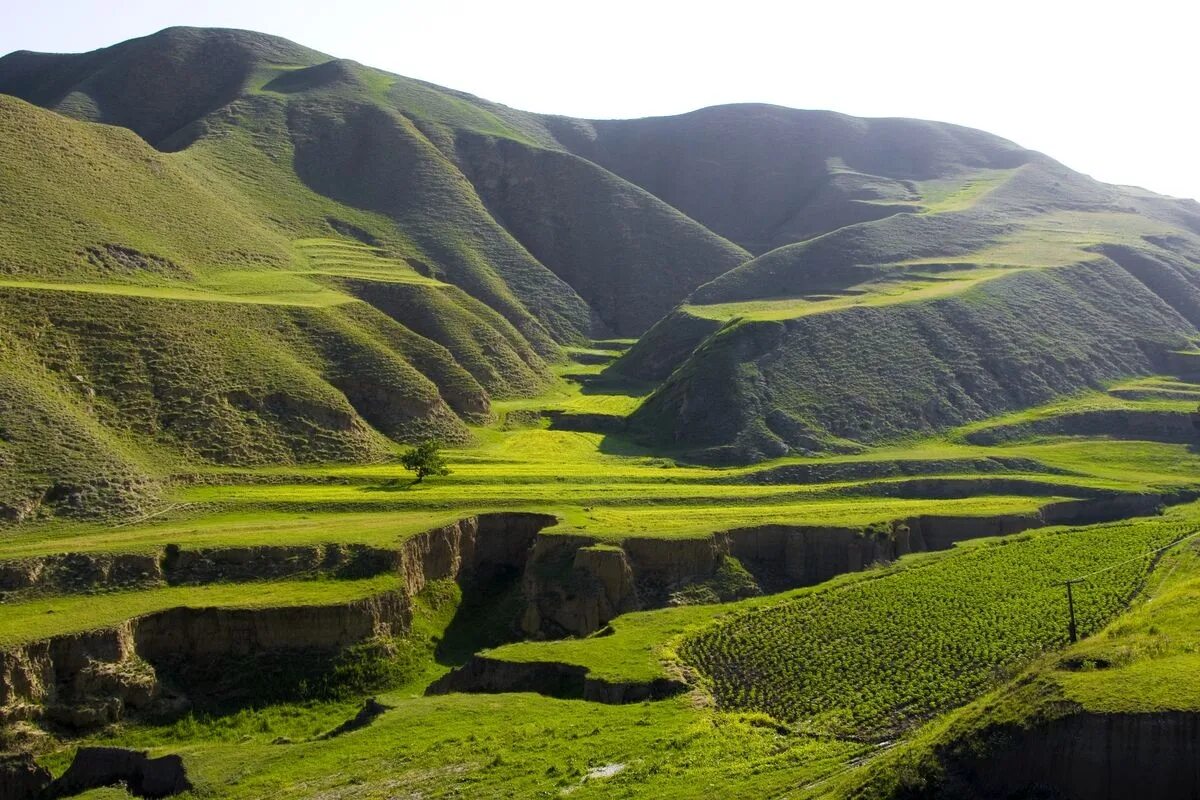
x,y
831,651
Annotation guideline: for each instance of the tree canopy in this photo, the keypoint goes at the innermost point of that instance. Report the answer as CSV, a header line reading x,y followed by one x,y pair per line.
x,y
425,459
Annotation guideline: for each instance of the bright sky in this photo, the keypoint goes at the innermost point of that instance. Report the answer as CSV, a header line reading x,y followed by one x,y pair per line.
x,y
1109,88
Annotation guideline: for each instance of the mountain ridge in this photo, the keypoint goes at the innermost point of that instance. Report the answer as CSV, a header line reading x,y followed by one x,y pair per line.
x,y
371,219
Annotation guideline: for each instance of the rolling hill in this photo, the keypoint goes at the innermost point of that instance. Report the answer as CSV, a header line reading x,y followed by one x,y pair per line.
x,y
805,281
771,434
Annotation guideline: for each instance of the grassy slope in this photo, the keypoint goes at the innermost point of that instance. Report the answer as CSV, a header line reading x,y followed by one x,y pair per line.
x,y
628,254
132,232
96,378
852,331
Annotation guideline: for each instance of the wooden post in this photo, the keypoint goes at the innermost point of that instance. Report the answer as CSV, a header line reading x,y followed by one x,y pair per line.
x,y
1072,631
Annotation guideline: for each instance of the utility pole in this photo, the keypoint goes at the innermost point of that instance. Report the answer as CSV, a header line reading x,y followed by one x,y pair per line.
x,y
1072,630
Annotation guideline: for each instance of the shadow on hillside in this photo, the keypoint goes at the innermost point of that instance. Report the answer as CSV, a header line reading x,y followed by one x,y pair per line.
x,y
392,485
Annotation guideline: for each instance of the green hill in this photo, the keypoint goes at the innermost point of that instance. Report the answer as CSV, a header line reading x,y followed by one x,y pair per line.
x,y
238,277
910,275
1044,284
281,259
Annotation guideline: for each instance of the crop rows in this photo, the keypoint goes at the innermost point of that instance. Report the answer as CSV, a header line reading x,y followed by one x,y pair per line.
x,y
871,657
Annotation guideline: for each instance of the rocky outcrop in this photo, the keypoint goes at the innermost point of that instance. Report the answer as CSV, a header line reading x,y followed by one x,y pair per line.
x,y
1083,756
81,680
573,586
21,778
567,681
142,776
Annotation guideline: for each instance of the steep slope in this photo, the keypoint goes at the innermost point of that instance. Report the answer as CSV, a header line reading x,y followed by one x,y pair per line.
x,y
156,310
1044,283
391,146
632,255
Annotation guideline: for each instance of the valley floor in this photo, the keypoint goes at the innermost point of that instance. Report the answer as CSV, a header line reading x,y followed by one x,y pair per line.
x,y
565,614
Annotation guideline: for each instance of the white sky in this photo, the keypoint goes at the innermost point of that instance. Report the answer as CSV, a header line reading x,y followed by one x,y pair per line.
x,y
1107,88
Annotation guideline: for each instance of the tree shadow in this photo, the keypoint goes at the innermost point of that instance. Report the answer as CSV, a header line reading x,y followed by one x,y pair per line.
x,y
393,485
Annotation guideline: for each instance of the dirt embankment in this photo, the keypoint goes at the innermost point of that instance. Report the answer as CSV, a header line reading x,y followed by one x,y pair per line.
x,y
97,677
89,679
1173,427
1082,756
490,540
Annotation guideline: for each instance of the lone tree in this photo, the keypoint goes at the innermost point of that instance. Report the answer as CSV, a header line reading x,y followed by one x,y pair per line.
x,y
425,459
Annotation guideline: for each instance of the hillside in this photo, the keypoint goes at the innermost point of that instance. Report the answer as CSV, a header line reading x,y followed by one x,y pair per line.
x,y
316,207
1005,291
771,437
890,252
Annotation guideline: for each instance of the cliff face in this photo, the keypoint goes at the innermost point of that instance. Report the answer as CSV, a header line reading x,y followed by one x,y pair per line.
x,y
94,678
1084,757
486,542
81,680
574,587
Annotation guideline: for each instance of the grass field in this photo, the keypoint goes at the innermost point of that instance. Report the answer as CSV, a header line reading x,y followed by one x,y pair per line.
x,y
518,745
796,690
851,663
